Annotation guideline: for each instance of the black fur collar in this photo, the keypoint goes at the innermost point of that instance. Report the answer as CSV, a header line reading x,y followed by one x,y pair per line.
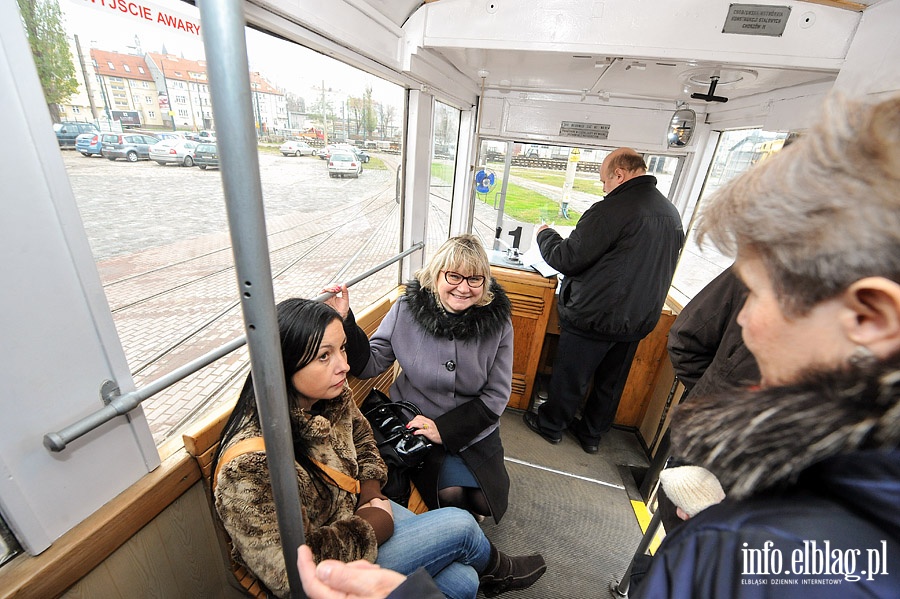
x,y
759,440
475,323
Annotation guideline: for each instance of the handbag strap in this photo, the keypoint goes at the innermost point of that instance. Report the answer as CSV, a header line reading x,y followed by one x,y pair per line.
x,y
255,444
387,403
409,406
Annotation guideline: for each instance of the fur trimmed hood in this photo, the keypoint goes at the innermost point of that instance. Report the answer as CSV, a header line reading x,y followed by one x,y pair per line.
x,y
755,441
475,323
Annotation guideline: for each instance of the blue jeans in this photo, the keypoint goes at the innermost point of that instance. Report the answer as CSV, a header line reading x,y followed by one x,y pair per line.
x,y
447,542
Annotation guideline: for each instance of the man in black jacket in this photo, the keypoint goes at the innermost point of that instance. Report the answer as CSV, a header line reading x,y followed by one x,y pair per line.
x,y
617,265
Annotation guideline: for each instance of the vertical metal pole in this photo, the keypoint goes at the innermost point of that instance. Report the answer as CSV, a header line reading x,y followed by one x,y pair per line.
x,y
620,589
229,82
506,165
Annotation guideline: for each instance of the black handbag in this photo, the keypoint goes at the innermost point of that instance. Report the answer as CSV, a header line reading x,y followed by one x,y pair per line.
x,y
400,449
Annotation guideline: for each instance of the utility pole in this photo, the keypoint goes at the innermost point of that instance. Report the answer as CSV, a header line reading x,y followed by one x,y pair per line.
x,y
258,117
171,113
324,114
87,80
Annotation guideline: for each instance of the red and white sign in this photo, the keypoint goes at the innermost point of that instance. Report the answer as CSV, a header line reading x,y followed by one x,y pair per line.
x,y
149,12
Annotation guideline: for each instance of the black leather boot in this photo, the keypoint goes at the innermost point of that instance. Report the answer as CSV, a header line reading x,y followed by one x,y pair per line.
x,y
507,573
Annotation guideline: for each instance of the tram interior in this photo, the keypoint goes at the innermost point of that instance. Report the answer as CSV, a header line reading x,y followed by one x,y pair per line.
x,y
122,511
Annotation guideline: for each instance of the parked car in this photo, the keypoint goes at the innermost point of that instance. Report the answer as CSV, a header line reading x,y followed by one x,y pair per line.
x,y
130,146
295,147
68,131
174,151
206,154
169,135
361,153
344,162
325,153
89,144
206,136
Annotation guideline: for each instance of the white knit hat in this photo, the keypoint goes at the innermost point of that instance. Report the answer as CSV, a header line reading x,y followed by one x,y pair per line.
x,y
691,488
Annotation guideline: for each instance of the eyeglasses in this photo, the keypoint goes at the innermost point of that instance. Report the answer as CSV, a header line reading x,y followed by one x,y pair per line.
x,y
454,278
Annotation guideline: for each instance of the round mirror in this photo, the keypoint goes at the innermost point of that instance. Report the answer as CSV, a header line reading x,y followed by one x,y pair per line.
x,y
681,128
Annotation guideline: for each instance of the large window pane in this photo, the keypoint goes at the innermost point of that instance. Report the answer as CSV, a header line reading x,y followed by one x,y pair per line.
x,y
736,152
159,233
545,184
443,166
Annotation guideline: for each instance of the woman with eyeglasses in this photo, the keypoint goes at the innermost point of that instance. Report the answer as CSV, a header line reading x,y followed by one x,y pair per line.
x,y
451,332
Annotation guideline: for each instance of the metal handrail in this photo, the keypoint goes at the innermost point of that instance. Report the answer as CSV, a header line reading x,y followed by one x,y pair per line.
x,y
123,404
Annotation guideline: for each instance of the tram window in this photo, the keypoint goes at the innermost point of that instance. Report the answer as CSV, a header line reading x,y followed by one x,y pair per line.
x,y
736,152
443,167
159,233
545,184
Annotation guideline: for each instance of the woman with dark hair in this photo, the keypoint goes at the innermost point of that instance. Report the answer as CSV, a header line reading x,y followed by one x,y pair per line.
x,y
339,475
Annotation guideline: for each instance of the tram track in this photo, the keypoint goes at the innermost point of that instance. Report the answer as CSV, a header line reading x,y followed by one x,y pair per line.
x,y
232,380
364,204
285,258
325,239
216,317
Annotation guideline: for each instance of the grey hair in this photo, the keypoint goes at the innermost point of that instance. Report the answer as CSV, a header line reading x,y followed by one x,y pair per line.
x,y
822,213
463,253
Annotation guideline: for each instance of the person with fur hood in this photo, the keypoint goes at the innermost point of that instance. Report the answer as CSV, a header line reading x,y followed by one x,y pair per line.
x,y
810,461
339,477
451,333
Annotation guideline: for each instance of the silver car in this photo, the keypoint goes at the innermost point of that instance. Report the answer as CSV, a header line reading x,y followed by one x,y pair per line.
x,y
173,151
293,147
344,162
130,146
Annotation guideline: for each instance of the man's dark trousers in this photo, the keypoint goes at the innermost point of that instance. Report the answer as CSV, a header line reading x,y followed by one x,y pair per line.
x,y
580,361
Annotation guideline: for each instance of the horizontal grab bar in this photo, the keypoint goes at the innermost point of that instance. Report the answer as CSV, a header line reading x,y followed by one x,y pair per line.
x,y
123,404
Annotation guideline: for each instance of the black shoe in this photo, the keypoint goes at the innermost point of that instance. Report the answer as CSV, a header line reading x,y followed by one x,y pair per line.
x,y
508,573
588,447
530,419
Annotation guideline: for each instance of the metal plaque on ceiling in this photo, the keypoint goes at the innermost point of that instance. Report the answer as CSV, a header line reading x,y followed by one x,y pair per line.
x,y
756,19
576,129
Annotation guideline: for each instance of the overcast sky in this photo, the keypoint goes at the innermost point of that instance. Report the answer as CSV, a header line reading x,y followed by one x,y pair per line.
x,y
100,24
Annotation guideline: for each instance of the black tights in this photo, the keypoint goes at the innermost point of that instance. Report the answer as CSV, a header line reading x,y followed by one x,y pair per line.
x,y
470,499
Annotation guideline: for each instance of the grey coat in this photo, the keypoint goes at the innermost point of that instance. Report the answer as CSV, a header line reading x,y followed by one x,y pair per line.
x,y
458,371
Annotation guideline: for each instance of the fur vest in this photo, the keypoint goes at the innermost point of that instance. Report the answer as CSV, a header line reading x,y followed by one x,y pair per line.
x,y
341,438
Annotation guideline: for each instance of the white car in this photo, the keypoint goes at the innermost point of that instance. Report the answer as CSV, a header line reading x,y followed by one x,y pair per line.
x,y
294,147
173,151
344,162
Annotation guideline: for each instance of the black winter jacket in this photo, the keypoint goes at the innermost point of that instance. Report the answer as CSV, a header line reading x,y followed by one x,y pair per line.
x,y
618,262
706,344
812,477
